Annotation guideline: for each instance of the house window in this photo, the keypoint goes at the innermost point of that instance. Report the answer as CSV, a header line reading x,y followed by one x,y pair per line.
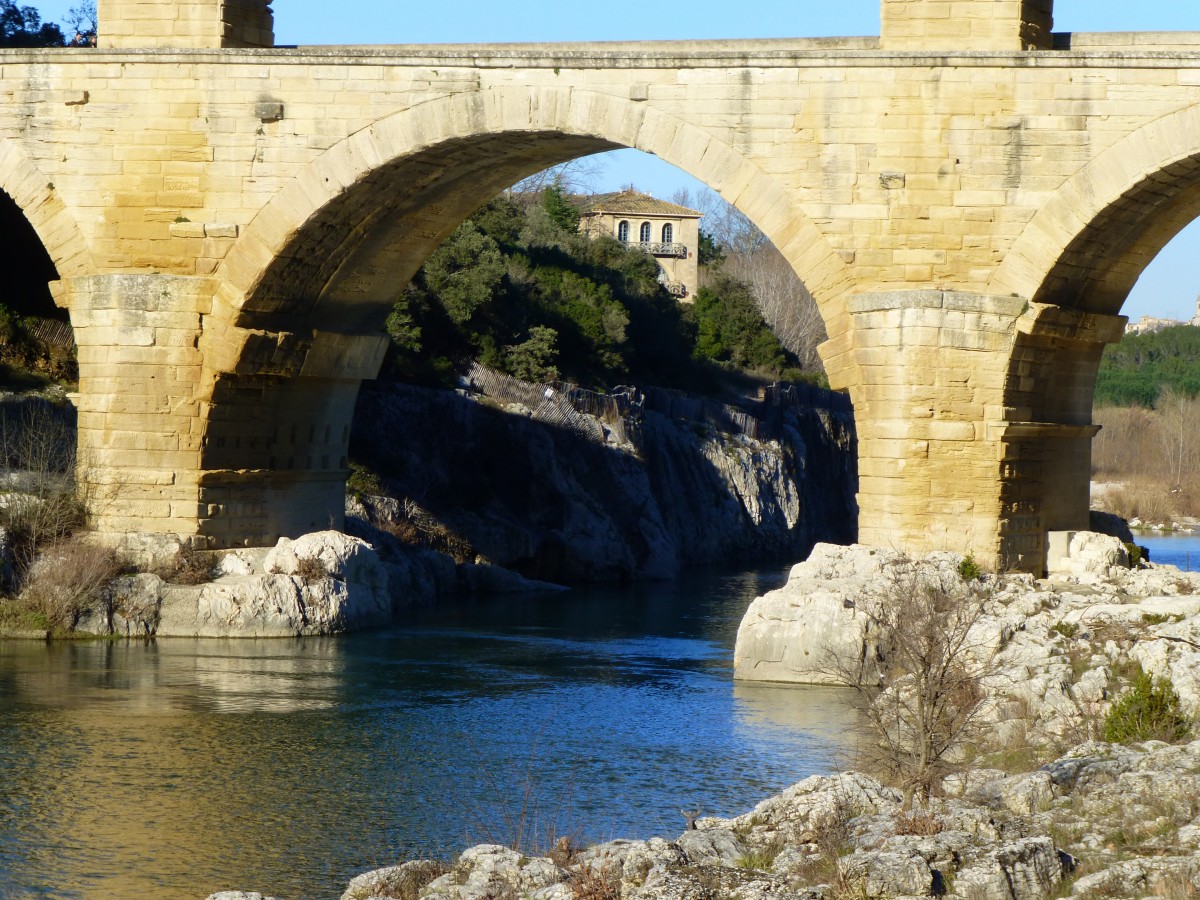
x,y
623,232
645,236
668,233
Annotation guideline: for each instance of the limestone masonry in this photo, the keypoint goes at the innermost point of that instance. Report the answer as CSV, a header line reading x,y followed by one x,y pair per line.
x,y
969,198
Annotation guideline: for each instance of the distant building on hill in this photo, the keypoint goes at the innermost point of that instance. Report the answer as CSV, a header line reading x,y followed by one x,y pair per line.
x,y
1151,324
668,232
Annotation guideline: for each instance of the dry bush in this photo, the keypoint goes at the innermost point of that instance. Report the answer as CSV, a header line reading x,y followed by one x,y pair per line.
x,y
1153,457
601,882
69,578
920,822
40,507
188,567
925,708
310,568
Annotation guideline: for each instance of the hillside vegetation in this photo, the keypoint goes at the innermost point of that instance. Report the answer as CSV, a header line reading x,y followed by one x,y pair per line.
x,y
1137,369
1149,413
518,289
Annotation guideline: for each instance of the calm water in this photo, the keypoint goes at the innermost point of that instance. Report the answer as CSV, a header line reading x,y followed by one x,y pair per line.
x,y
183,767
1182,550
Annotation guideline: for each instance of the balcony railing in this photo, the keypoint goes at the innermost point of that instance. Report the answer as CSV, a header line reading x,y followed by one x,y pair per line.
x,y
658,248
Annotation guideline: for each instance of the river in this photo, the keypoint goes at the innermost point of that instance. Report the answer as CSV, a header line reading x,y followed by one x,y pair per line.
x,y
1171,549
177,768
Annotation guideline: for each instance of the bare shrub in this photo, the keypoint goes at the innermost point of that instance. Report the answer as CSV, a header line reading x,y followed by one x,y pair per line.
x,y
920,822
926,705
40,506
601,882
310,568
188,567
67,579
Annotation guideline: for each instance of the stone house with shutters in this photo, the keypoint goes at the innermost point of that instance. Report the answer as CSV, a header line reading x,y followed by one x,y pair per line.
x,y
668,232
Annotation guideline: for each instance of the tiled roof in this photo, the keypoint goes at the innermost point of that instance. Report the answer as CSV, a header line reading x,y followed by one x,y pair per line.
x,y
633,203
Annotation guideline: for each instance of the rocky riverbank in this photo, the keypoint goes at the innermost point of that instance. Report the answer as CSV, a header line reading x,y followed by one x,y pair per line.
x,y
1036,806
625,503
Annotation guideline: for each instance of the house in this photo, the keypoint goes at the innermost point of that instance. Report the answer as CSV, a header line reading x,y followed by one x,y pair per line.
x,y
668,232
1151,324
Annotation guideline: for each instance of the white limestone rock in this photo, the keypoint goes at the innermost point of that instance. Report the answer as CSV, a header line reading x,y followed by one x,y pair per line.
x,y
347,589
790,634
489,870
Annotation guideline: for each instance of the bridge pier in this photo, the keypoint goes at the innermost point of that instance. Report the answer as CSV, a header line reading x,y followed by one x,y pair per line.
x,y
190,426
973,415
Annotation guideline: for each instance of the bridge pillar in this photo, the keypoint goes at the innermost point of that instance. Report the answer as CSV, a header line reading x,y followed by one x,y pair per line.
x,y
141,399
974,420
191,426
967,24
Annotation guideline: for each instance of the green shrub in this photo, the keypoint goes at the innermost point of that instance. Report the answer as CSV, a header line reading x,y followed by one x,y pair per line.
x,y
969,570
1066,629
1137,555
1147,711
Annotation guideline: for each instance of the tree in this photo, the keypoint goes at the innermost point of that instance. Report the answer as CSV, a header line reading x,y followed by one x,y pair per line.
x,y
730,241
465,272
562,211
730,328
81,24
22,26
533,359
926,704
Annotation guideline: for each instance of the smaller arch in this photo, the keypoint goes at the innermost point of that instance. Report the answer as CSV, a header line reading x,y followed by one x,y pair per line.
x,y
668,233
1087,247
623,232
644,233
39,201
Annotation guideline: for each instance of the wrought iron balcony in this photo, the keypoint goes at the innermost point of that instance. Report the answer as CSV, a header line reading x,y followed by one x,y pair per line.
x,y
658,248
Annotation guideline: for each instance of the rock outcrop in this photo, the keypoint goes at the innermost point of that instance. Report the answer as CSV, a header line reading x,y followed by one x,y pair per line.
x,y
545,502
321,583
1054,645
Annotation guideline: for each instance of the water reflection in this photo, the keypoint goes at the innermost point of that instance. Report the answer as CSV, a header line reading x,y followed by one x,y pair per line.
x,y
182,767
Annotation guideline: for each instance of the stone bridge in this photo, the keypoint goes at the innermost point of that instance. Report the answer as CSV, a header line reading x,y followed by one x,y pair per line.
x,y
969,197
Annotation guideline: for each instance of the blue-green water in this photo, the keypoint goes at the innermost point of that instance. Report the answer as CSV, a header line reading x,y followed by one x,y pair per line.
x,y
182,767
1182,550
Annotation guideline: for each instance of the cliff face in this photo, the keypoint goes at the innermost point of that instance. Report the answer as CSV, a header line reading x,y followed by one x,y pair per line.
x,y
553,505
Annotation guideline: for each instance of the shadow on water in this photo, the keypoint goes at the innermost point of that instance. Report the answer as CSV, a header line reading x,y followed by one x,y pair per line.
x,y
184,767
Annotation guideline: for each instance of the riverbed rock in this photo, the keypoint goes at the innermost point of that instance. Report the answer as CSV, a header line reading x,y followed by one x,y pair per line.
x,y
490,870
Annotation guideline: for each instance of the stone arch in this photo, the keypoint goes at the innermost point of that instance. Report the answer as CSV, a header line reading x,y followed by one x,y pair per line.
x,y
1086,248
35,195
1075,263
296,322
297,249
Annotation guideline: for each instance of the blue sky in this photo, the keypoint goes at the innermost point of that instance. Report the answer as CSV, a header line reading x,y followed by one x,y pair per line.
x,y
1169,287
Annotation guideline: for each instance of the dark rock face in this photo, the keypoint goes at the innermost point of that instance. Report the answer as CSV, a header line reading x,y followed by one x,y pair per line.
x,y
555,506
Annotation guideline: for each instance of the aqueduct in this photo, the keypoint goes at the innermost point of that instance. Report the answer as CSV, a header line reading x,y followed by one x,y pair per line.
x,y
969,197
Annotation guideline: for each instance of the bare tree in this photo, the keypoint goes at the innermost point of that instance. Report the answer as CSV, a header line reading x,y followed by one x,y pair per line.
x,y
576,176
926,704
1178,418
786,305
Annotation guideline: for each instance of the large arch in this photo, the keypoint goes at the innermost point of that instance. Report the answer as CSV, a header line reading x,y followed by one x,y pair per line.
x,y
1085,249
296,322
1076,262
409,179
